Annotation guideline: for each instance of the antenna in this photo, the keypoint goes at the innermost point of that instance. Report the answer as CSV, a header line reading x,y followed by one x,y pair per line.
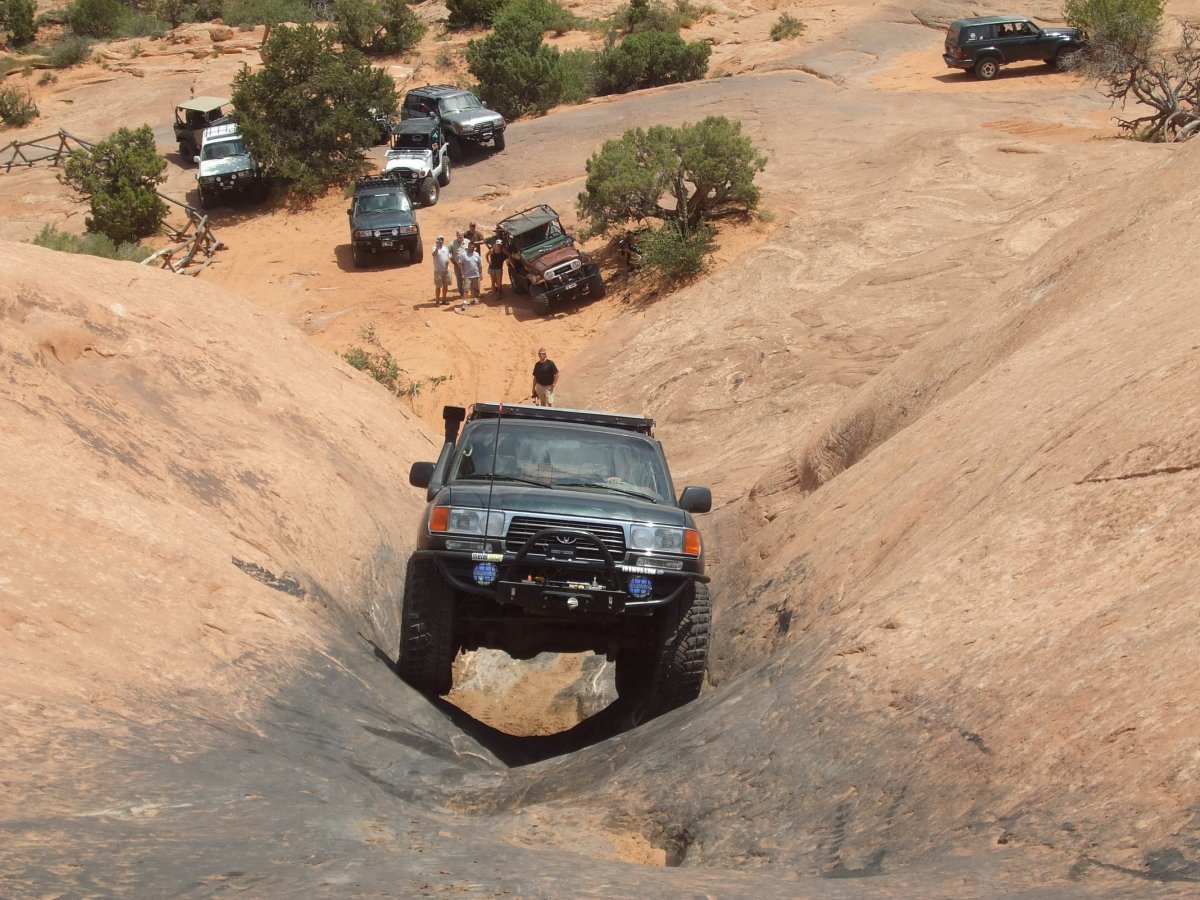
x,y
487,513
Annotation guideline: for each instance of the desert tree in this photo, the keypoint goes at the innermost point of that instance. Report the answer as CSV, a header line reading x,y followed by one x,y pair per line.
x,y
1162,84
683,175
305,115
118,177
383,28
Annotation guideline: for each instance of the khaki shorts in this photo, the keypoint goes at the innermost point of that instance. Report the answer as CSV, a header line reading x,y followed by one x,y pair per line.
x,y
544,393
441,279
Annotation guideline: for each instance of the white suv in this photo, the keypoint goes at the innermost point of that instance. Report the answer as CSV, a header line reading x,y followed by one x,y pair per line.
x,y
226,167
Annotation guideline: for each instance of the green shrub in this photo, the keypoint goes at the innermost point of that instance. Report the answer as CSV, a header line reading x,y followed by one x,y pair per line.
x,y
787,26
16,108
578,73
118,178
1130,25
648,59
57,16
465,13
265,12
386,28
98,18
674,255
90,244
19,18
644,15
69,50
47,78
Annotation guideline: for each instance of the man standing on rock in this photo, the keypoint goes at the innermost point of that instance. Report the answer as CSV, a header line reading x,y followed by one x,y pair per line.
x,y
458,249
545,379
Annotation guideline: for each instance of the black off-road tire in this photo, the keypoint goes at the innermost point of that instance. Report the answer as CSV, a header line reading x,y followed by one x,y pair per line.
x,y
186,158
683,652
1066,59
416,253
499,142
206,199
518,280
429,191
541,300
455,148
596,288
987,68
427,645
360,258
444,178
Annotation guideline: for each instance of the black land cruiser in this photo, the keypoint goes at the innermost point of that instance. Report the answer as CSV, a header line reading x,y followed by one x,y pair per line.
x,y
543,260
465,119
382,220
983,44
552,529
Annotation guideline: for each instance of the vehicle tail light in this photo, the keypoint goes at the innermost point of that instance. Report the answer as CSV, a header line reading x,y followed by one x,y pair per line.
x,y
958,53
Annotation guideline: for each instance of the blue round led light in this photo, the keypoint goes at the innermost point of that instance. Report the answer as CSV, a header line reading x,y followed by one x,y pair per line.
x,y
639,586
485,573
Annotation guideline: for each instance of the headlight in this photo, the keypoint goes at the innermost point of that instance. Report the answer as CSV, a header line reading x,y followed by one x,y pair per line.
x,y
666,540
465,520
423,171
375,233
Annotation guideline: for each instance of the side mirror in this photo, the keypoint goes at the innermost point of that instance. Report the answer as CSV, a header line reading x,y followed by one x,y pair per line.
x,y
420,474
349,211
696,500
196,160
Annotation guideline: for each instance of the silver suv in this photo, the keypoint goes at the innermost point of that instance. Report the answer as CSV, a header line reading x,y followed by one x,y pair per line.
x,y
465,119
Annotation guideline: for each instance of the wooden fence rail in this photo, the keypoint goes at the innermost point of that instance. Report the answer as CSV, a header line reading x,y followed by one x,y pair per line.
x,y
192,245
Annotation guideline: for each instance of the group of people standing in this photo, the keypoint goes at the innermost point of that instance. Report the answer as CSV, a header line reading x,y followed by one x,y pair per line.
x,y
464,258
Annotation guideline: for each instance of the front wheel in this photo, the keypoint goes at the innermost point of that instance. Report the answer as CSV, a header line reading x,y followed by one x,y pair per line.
x,y
682,651
1067,59
595,286
455,148
360,258
541,300
444,178
416,252
987,69
429,192
427,645
499,142
517,280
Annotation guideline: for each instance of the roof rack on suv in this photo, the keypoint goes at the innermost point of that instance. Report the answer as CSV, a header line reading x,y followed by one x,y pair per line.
x,y
388,179
626,421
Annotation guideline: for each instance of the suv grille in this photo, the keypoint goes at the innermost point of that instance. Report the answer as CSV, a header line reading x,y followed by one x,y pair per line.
x,y
523,528
562,270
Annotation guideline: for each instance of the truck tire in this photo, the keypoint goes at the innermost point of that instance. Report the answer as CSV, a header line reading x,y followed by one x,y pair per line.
x,y
427,645
206,199
455,148
987,68
518,280
499,142
416,252
184,156
360,258
683,651
595,286
429,191
1066,59
444,178
541,300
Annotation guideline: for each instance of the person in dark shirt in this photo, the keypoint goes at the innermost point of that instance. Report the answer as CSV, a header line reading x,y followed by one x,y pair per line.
x,y
545,379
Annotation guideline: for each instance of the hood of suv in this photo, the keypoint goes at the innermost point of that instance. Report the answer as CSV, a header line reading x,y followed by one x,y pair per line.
x,y
464,121
575,502
414,160
555,263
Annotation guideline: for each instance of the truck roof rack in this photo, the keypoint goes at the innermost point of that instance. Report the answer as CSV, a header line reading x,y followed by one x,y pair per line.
x,y
221,131
625,421
387,180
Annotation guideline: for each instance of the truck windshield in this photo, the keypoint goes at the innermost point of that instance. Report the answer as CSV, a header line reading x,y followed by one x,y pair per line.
x,y
562,456
223,150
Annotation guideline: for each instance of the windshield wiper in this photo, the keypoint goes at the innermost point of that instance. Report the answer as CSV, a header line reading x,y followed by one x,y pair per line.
x,y
483,476
609,487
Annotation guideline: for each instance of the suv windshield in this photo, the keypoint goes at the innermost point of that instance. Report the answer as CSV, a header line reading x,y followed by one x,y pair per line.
x,y
392,201
561,457
223,149
455,102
